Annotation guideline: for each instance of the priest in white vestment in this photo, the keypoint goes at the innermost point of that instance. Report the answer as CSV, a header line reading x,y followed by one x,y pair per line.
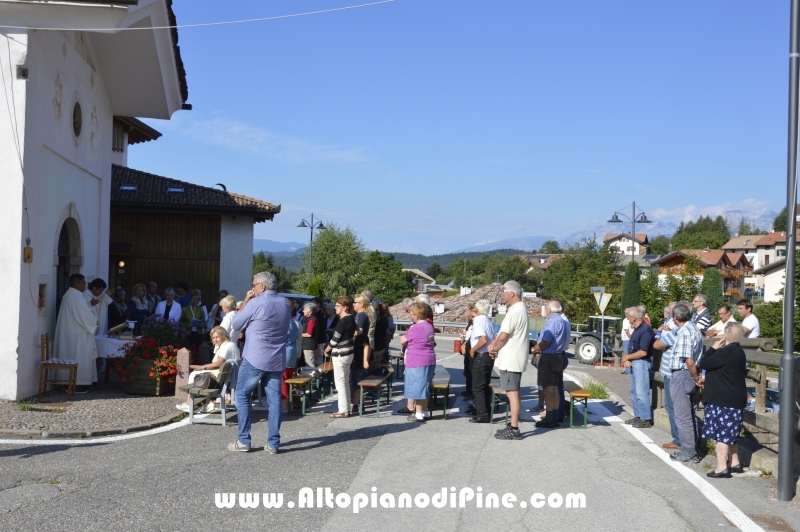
x,y
99,299
75,330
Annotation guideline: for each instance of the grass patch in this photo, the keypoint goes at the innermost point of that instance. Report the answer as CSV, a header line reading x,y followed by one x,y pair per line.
x,y
711,447
26,405
706,466
57,410
766,473
54,481
596,389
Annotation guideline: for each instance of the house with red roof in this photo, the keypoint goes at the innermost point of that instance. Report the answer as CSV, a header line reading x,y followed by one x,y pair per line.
x,y
734,268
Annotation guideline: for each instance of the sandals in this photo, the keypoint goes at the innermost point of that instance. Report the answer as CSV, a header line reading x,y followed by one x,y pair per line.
x,y
405,410
338,415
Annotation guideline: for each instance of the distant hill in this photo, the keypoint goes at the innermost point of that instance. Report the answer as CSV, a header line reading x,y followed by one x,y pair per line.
x,y
526,243
271,246
421,262
293,261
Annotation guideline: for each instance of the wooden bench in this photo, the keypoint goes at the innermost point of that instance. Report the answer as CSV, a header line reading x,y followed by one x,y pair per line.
x,y
582,396
496,393
225,374
303,385
399,363
325,373
440,383
373,385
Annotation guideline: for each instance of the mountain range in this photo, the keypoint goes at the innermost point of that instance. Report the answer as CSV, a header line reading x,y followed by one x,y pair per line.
x,y
271,246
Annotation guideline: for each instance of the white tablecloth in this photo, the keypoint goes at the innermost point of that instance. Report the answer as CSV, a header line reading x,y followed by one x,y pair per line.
x,y
109,347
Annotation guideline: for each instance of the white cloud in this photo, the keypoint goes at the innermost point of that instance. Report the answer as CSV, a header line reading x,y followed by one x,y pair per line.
x,y
228,133
753,207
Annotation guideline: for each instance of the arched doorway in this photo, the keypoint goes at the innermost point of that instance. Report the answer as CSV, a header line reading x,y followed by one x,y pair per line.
x,y
69,246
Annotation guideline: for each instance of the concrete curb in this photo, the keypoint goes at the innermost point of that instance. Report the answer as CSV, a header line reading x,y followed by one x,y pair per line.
x,y
172,417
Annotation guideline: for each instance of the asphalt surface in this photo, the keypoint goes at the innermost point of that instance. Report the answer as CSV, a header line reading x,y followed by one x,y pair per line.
x,y
168,480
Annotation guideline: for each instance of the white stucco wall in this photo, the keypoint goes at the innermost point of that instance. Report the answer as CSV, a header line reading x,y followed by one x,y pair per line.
x,y
65,176
236,255
773,282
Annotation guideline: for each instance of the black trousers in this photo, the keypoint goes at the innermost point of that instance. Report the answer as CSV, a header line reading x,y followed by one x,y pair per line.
x,y
481,378
468,371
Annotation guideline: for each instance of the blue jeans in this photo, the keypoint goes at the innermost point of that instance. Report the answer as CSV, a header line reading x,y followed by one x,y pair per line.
x,y
249,378
640,388
627,371
561,404
673,428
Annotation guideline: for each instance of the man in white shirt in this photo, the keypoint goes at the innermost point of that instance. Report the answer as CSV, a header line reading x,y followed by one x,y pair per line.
x,y
750,324
725,317
481,335
510,351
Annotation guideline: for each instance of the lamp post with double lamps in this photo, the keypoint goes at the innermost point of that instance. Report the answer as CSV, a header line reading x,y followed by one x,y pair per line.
x,y
634,219
311,225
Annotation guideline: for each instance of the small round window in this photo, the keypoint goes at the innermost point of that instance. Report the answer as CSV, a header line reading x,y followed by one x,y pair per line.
x,y
77,119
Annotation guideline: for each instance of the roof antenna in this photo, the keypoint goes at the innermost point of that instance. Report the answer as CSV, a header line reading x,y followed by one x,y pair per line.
x,y
224,188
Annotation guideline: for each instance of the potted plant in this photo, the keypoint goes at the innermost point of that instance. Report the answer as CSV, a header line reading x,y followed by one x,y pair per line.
x,y
149,364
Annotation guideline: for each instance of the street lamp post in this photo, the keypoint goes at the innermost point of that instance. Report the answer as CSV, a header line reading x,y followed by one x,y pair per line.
x,y
641,218
311,225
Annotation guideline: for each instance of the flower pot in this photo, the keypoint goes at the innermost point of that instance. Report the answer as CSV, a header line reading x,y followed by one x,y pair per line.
x,y
147,385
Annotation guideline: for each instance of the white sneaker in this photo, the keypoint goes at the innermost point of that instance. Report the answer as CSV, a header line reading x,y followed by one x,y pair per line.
x,y
182,406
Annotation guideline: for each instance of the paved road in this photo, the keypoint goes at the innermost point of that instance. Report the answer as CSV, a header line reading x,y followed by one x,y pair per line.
x,y
168,480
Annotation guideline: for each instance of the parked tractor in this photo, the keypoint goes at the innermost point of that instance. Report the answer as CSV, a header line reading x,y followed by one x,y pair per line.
x,y
587,343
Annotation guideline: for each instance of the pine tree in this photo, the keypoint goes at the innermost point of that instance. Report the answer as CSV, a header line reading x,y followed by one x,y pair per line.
x,y
711,287
631,286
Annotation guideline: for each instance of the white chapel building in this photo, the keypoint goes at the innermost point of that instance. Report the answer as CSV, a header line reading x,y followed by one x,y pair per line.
x,y
61,91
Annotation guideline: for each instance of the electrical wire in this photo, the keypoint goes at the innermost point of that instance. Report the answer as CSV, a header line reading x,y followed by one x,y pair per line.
x,y
204,24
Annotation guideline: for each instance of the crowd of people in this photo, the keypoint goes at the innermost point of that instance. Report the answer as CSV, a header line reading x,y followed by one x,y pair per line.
x,y
270,338
692,374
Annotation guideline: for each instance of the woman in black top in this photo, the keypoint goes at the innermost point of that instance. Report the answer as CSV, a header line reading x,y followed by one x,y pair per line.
x,y
340,348
381,336
725,397
117,310
362,350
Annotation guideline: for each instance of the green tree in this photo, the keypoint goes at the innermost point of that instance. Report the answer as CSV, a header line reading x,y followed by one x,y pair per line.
x,y
631,286
711,287
385,277
661,245
286,279
780,221
653,295
550,247
317,287
337,258
434,270
584,265
704,233
745,228
502,269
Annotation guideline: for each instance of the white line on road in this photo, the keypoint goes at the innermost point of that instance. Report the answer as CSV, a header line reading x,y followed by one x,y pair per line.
x,y
104,439
723,504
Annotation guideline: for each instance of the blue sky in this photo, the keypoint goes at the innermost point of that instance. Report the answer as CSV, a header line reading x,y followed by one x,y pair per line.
x,y
431,125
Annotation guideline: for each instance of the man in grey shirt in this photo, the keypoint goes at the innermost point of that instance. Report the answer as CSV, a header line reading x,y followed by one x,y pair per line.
x,y
266,317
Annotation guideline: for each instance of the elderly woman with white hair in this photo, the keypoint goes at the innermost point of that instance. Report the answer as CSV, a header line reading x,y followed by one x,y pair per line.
x,y
481,335
310,334
725,398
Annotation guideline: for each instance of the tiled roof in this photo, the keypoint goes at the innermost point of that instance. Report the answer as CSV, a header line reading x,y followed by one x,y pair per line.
x,y
177,51
640,237
151,195
455,307
742,242
709,257
771,239
541,261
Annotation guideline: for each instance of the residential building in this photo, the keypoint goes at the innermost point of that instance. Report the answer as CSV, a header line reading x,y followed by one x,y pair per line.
x,y
774,275
63,90
165,230
540,261
734,268
623,243
420,279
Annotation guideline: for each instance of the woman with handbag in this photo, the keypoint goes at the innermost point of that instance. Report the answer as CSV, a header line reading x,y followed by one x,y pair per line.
x,y
224,350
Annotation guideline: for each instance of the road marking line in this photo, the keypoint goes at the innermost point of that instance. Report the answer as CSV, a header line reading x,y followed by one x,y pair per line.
x,y
102,439
723,504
